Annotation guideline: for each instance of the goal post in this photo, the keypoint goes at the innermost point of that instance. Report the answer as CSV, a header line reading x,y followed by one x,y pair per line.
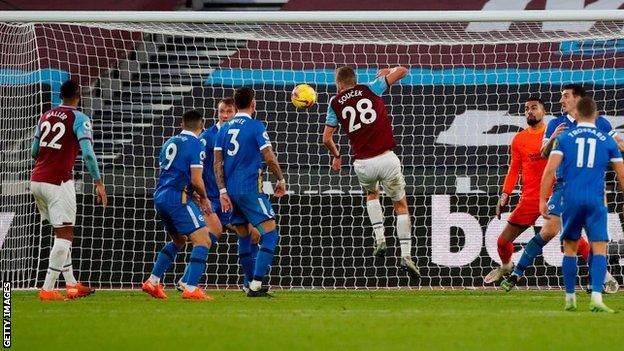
x,y
454,116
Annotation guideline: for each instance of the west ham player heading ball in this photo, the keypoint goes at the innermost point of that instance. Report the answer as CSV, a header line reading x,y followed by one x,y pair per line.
x,y
361,112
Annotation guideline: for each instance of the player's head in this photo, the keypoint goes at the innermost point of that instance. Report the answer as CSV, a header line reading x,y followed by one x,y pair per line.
x,y
226,109
534,111
570,96
70,93
586,110
244,100
345,78
193,121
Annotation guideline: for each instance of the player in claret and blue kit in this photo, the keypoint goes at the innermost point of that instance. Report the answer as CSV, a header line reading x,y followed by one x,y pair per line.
x,y
59,134
361,112
181,163
241,145
583,155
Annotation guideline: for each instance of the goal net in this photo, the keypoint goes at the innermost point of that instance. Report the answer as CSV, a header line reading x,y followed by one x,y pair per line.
x,y
454,116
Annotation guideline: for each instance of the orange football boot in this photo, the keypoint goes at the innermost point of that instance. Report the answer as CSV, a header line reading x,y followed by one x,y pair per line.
x,y
52,295
197,294
78,290
157,291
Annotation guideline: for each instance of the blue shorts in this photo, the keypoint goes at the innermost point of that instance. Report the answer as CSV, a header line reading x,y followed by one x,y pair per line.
x,y
253,208
179,218
224,217
592,217
555,204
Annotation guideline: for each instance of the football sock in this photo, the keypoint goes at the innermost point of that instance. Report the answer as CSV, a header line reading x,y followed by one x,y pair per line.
x,y
505,250
268,243
244,256
404,232
532,249
58,256
375,213
68,270
254,254
163,261
569,267
214,240
197,266
583,249
186,274
598,272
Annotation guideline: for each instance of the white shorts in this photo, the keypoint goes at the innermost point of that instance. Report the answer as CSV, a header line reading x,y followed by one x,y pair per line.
x,y
56,203
384,169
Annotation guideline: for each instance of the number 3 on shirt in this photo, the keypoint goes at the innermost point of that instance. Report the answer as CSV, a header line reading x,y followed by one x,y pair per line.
x,y
234,135
364,110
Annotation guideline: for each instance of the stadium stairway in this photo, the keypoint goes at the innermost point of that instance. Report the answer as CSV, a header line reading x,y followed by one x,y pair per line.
x,y
134,106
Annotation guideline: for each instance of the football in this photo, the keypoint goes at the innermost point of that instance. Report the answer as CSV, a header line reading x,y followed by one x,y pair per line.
x,y
303,96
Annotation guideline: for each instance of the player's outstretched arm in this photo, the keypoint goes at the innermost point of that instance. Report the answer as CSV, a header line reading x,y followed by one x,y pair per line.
x,y
271,160
328,141
393,74
548,179
548,146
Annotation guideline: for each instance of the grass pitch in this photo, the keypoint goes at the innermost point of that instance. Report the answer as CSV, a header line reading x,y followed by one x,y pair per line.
x,y
316,320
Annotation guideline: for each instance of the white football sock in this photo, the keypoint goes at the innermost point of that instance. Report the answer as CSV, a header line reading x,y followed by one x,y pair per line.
x,y
404,232
375,214
154,279
58,255
255,285
68,270
596,297
570,297
190,288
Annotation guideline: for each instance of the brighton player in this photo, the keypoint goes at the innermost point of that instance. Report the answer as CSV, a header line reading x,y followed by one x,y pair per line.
x,y
218,220
526,161
584,154
570,96
59,134
361,112
240,146
180,173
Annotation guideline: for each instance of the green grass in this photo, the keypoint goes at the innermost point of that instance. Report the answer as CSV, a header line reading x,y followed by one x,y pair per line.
x,y
319,320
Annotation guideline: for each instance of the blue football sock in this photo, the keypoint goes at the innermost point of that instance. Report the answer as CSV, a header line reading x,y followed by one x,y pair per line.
x,y
569,267
197,265
186,274
164,259
244,256
214,240
254,254
268,243
532,249
598,272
